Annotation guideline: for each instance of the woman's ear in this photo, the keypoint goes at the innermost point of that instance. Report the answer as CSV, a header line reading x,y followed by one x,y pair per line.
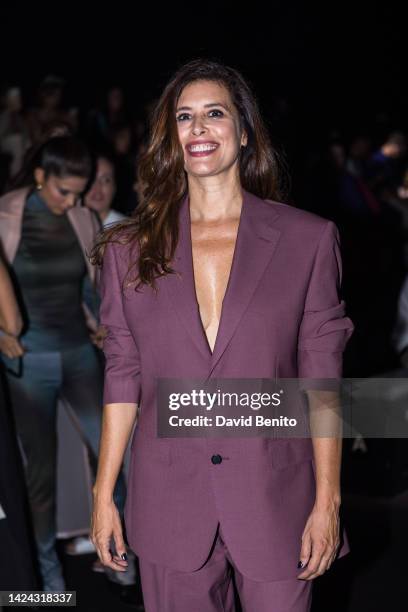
x,y
39,176
244,139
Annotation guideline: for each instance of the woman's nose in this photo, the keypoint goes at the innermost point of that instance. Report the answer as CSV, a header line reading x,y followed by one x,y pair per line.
x,y
198,127
96,192
71,200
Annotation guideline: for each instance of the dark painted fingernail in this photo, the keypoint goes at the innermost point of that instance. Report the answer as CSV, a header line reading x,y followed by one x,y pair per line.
x,y
300,564
124,556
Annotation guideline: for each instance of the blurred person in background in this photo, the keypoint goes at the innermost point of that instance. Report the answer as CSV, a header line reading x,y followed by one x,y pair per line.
x,y
48,109
24,177
14,139
104,119
18,572
101,195
349,194
359,153
385,168
45,235
400,333
379,256
333,189
403,188
126,155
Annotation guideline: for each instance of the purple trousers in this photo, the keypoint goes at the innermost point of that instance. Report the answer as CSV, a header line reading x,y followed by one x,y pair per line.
x,y
211,588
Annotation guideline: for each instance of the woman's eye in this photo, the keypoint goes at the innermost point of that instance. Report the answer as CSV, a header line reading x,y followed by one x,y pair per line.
x,y
216,113
63,192
212,113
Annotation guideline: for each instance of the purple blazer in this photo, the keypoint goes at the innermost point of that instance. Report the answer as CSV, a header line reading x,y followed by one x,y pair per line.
x,y
281,317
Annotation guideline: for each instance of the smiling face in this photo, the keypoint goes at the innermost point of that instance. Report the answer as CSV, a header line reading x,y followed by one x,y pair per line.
x,y
102,191
58,193
209,129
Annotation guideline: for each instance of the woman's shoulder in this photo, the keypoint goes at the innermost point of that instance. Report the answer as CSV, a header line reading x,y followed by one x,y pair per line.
x,y
291,214
120,244
119,258
9,201
113,217
302,229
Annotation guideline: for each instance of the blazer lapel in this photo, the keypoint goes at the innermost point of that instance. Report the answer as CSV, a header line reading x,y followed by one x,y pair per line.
x,y
255,244
11,214
181,286
79,219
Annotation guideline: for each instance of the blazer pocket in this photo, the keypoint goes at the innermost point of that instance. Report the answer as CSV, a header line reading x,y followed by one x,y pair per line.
x,y
290,452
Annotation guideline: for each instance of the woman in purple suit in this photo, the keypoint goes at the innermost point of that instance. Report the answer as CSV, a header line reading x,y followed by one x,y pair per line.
x,y
255,295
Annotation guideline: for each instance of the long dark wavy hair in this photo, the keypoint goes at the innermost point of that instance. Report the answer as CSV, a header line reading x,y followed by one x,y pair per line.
x,y
153,227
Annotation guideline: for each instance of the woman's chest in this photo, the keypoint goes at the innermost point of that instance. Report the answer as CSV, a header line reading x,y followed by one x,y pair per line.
x,y
212,257
272,308
48,251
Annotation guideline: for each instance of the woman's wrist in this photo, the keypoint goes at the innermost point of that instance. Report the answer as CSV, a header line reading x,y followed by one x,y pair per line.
x,y
102,495
3,332
328,500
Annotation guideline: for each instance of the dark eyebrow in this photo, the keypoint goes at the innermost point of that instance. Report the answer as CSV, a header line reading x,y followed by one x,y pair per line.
x,y
69,191
211,104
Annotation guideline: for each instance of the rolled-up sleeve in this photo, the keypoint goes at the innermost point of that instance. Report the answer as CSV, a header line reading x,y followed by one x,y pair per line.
x,y
325,328
122,367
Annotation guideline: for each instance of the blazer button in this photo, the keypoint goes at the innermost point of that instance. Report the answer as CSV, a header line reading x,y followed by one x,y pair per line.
x,y
215,459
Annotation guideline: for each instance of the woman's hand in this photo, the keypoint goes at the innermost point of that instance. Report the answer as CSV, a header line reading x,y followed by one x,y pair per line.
x,y
98,336
106,523
10,346
320,540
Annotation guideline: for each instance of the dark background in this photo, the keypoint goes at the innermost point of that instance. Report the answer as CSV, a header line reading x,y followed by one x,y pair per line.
x,y
340,65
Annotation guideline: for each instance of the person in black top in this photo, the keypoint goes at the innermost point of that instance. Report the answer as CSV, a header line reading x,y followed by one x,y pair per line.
x,y
46,235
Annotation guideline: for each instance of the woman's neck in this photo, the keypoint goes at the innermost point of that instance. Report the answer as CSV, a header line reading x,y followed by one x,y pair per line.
x,y
214,199
104,213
